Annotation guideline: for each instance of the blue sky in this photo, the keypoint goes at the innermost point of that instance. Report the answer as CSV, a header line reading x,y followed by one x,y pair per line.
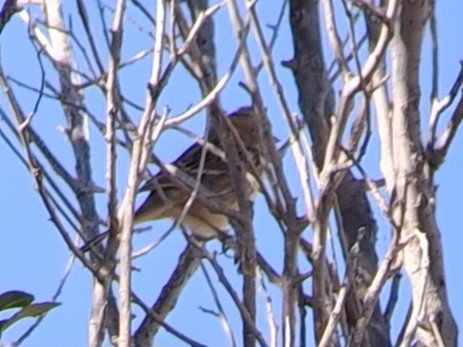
x,y
34,257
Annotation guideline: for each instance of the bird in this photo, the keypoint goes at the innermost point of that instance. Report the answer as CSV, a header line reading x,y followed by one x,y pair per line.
x,y
167,198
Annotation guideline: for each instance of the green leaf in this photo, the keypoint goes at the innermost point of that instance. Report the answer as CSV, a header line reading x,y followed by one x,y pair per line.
x,y
36,310
14,299
33,310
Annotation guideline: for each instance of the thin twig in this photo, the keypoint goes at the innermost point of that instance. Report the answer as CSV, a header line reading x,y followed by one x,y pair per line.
x,y
221,314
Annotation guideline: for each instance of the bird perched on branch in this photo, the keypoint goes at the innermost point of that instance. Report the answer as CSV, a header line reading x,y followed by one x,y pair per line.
x,y
170,190
168,199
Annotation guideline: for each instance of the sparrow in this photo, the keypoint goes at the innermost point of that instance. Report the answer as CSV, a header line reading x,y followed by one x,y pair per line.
x,y
167,198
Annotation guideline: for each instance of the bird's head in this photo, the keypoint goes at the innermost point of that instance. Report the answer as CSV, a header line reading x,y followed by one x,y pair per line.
x,y
244,122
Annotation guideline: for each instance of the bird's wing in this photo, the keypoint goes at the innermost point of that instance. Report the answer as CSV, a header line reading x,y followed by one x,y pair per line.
x,y
162,180
189,164
167,194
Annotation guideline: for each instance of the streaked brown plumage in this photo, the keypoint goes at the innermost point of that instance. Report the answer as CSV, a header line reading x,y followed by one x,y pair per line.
x,y
167,199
